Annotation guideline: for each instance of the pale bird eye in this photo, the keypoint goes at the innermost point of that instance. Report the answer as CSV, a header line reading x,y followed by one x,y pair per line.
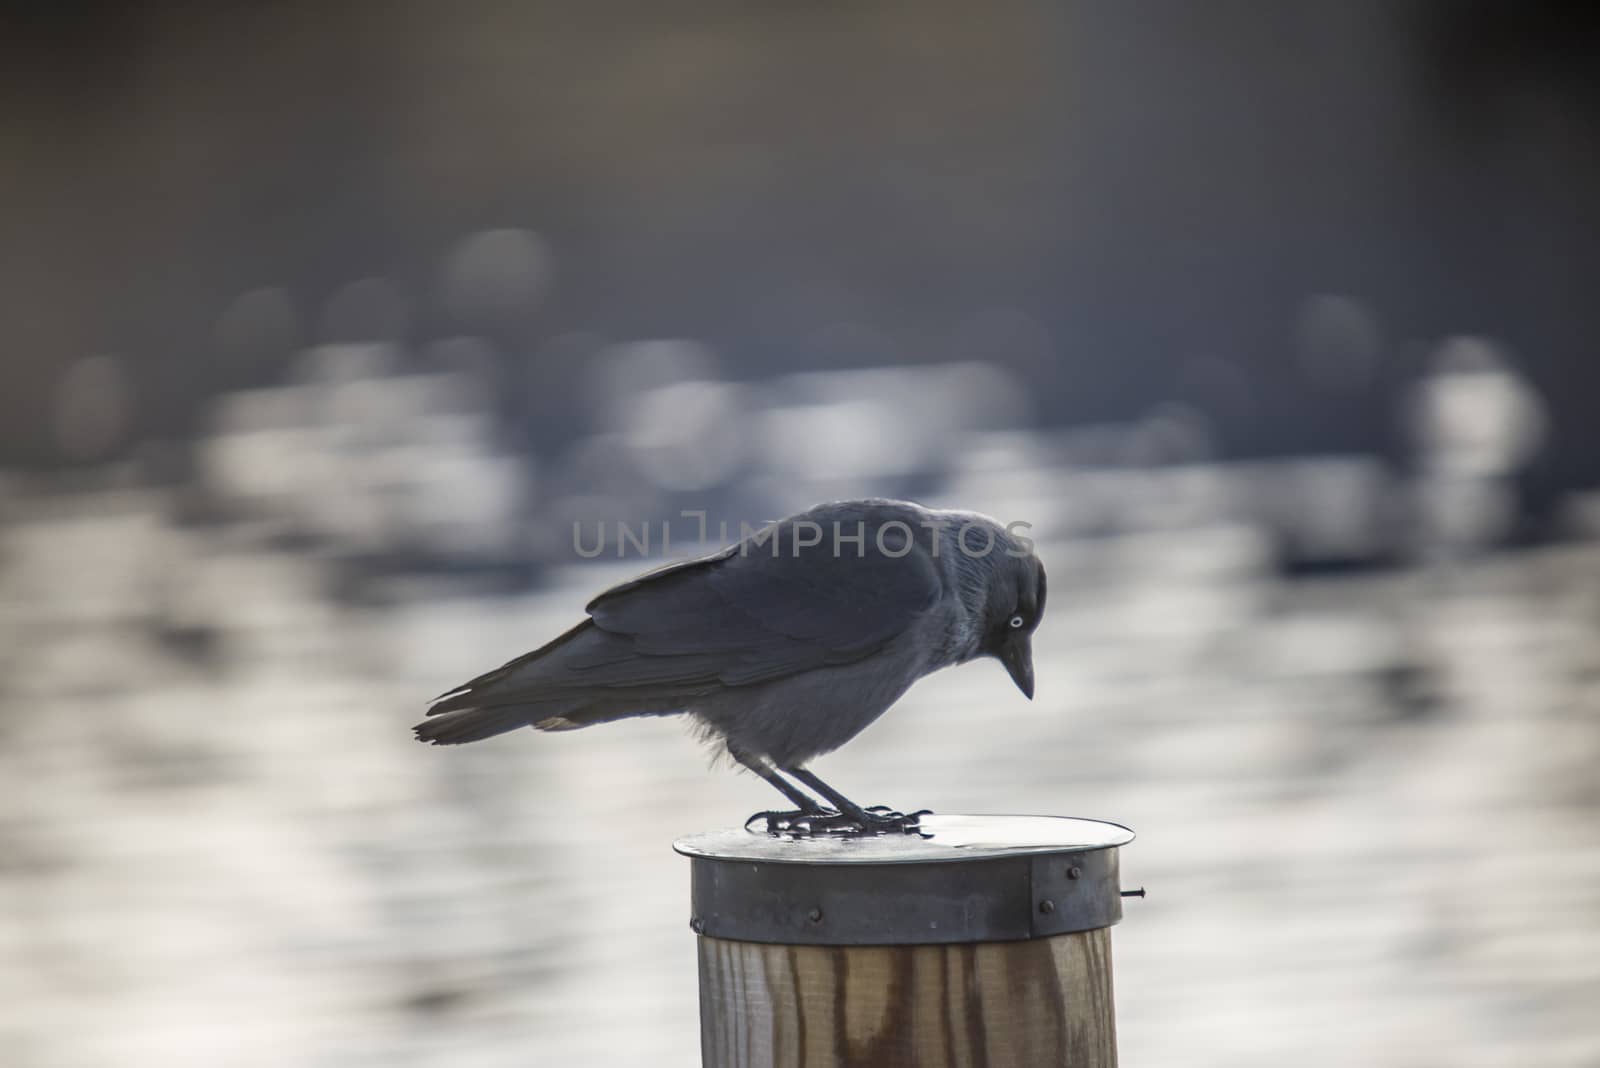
x,y
1016,621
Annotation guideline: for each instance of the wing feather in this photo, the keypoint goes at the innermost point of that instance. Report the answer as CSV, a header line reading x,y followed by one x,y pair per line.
x,y
757,614
741,616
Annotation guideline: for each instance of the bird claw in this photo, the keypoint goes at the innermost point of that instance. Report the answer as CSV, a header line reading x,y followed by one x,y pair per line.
x,y
795,822
829,823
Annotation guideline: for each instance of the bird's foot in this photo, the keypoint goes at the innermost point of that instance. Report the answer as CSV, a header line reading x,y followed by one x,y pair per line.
x,y
795,822
881,819
830,823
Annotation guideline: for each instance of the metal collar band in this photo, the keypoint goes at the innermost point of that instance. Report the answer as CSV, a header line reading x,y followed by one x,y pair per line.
x,y
975,879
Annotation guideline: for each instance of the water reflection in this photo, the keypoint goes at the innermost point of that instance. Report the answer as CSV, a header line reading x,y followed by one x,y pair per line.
x,y
1369,794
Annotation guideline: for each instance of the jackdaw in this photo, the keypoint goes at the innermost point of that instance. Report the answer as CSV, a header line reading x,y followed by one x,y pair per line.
x,y
782,646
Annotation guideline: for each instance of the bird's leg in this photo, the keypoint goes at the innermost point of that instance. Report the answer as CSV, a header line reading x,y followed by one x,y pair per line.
x,y
876,819
806,808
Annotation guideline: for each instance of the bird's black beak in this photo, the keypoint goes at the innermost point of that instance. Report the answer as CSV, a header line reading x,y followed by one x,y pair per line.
x,y
1017,656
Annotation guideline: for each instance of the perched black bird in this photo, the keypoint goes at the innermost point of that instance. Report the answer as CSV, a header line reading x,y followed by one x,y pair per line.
x,y
784,646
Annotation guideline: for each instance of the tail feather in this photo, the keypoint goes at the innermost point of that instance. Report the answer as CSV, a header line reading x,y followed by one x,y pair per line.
x,y
471,724
533,691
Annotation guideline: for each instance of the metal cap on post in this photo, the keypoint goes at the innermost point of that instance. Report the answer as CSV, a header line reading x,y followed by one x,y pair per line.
x,y
984,941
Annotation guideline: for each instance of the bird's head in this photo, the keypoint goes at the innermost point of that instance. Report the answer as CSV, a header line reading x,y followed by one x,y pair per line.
x,y
1013,603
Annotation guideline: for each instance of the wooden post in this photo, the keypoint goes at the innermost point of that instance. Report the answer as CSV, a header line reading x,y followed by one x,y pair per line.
x,y
986,943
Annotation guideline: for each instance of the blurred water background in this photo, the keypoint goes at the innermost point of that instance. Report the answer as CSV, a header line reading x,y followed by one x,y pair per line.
x,y
324,326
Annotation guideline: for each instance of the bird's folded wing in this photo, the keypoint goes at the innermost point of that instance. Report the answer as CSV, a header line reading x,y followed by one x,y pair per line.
x,y
750,615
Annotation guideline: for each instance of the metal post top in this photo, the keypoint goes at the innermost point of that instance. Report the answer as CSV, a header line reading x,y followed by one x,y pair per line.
x,y
943,839
970,879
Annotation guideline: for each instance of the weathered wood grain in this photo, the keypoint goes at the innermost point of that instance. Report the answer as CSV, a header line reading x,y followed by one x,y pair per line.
x,y
988,1005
